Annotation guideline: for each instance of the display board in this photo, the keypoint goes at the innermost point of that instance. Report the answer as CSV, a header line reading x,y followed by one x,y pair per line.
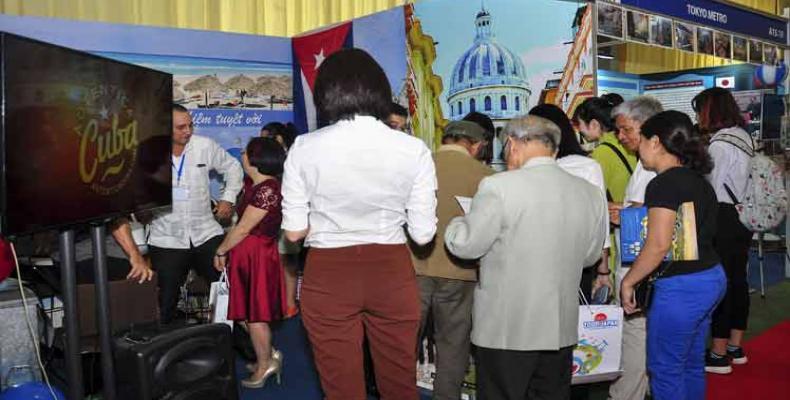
x,y
499,58
701,26
382,35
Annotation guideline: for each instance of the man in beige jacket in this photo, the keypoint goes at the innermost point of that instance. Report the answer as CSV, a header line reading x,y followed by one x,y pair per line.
x,y
447,283
534,226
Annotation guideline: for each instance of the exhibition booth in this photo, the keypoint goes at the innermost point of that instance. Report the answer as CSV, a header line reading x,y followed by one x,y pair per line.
x,y
86,102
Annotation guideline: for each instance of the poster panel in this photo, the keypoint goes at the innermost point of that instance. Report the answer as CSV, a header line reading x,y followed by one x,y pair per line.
x,y
684,36
740,47
722,44
499,58
610,20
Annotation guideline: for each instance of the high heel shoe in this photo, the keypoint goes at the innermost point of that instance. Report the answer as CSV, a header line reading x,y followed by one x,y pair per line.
x,y
275,368
251,367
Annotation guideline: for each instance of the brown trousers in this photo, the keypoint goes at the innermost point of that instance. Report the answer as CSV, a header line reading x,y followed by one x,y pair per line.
x,y
354,291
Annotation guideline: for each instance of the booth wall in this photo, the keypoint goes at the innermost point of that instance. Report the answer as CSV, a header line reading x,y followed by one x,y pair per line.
x,y
381,34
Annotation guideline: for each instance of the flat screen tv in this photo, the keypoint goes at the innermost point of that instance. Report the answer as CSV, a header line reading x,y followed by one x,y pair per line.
x,y
83,137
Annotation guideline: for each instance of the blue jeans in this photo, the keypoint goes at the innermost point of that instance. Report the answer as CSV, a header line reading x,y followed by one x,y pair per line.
x,y
677,327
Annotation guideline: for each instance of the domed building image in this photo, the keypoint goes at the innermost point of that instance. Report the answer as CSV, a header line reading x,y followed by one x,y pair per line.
x,y
488,78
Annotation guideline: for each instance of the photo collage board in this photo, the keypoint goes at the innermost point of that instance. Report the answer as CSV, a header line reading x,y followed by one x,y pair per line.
x,y
617,22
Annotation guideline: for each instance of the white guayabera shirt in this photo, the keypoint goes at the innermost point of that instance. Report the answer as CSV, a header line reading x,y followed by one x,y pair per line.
x,y
191,220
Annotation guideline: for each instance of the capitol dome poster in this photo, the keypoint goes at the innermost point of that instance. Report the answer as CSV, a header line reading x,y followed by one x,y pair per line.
x,y
497,57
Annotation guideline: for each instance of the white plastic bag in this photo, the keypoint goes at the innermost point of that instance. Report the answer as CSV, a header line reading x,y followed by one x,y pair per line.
x,y
596,357
219,300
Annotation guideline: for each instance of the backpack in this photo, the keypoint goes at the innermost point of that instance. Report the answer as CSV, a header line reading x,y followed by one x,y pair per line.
x,y
765,203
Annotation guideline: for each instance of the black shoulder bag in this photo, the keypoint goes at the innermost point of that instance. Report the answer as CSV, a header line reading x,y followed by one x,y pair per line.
x,y
643,291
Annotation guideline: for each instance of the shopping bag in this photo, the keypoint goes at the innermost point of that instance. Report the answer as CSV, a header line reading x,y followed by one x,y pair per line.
x,y
596,358
218,299
633,232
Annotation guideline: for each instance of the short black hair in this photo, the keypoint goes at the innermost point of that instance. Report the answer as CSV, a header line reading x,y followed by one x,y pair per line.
x,y
179,108
613,98
398,109
679,137
481,119
486,153
598,109
350,82
287,132
569,144
266,155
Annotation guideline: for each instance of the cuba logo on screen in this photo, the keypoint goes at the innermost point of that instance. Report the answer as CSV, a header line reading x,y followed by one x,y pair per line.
x,y
107,128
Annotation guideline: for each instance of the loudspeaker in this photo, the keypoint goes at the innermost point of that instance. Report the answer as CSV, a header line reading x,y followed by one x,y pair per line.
x,y
176,363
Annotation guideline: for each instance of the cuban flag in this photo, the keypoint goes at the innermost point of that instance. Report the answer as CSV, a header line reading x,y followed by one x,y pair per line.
x,y
309,51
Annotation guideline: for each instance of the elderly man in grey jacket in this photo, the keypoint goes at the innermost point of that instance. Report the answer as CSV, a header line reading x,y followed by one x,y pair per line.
x,y
534,228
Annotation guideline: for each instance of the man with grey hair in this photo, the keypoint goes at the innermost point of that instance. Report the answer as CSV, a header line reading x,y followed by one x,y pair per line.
x,y
533,227
629,117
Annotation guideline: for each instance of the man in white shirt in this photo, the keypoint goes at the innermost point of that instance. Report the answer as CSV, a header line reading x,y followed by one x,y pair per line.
x,y
533,228
187,235
629,117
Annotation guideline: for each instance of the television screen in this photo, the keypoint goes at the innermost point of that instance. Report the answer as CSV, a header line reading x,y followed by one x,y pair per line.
x,y
83,137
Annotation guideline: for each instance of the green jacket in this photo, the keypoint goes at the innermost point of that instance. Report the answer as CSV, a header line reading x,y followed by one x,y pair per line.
x,y
615,174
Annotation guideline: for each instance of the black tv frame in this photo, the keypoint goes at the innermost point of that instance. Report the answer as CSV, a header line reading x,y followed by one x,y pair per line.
x,y
4,210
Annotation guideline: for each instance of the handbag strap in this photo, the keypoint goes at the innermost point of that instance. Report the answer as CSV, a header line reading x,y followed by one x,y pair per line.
x,y
620,156
736,142
731,194
584,301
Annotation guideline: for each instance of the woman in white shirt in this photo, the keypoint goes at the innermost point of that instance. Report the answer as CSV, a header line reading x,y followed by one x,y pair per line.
x,y
349,188
574,160
731,149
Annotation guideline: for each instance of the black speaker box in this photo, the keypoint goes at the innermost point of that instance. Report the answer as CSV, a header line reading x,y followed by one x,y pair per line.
x,y
176,363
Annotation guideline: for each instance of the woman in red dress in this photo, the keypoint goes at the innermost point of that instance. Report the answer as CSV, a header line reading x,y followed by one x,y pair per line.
x,y
249,251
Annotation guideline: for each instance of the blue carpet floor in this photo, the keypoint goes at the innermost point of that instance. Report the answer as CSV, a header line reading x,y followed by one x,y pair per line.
x,y
299,377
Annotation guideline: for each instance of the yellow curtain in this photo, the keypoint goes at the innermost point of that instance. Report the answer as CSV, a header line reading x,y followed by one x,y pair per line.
x,y
291,17
262,17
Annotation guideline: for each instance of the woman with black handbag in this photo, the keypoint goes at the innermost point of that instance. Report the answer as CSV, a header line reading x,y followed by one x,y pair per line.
x,y
688,288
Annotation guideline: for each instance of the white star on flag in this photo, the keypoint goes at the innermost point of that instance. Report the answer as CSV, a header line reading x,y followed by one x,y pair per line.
x,y
319,58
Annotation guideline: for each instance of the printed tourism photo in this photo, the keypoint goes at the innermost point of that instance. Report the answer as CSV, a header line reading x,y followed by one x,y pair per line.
x,y
660,31
499,58
684,36
638,26
722,44
755,51
740,48
610,20
704,40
